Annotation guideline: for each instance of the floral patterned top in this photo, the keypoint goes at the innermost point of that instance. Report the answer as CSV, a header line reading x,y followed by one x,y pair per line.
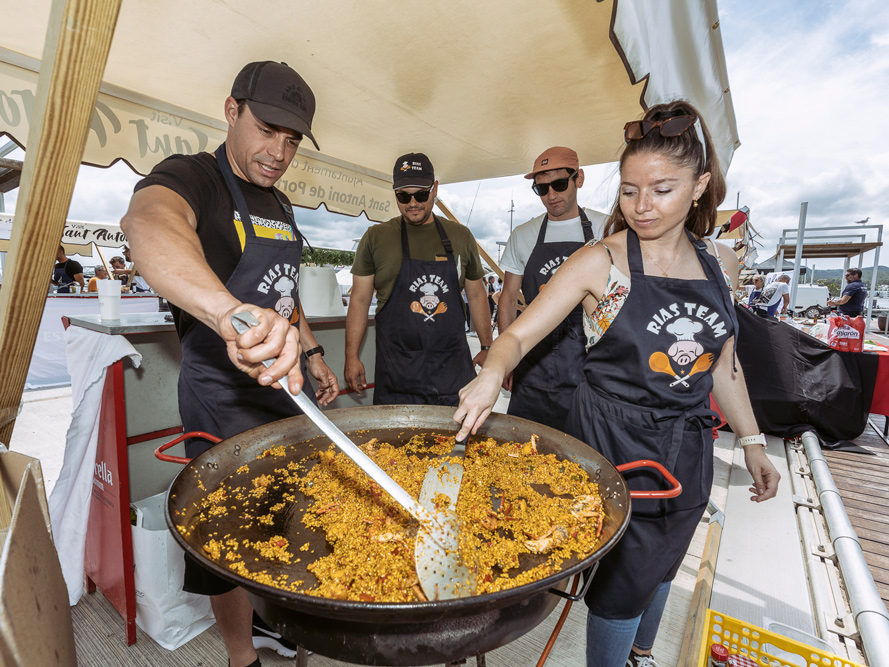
x,y
616,292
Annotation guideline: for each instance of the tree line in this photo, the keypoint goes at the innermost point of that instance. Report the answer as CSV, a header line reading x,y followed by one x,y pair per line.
x,y
327,257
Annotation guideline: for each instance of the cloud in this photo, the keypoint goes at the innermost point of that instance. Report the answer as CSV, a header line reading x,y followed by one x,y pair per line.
x,y
808,83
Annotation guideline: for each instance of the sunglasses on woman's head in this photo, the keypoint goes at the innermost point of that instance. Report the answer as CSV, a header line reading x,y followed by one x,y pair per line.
x,y
559,185
421,196
670,127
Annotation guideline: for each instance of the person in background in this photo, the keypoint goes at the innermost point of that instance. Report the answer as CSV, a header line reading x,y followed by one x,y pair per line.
x,y
544,381
660,322
419,264
66,273
490,288
774,296
101,274
139,284
215,238
119,270
755,292
851,301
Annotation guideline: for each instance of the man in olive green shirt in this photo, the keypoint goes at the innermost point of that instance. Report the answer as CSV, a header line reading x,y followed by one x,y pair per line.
x,y
422,354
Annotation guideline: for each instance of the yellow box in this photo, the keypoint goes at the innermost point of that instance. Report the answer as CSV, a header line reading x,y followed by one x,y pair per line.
x,y
763,647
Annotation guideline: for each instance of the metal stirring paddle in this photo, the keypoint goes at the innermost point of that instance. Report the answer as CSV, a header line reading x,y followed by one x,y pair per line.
x,y
442,574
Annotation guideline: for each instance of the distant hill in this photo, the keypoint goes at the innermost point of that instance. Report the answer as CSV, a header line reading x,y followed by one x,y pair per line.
x,y
827,274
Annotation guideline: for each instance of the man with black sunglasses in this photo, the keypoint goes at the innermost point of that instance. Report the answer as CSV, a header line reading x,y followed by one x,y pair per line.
x,y
851,302
544,381
418,264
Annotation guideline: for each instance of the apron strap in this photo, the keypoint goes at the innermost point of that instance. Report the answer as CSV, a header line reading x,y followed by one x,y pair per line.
x,y
587,226
714,273
445,241
288,213
241,203
634,254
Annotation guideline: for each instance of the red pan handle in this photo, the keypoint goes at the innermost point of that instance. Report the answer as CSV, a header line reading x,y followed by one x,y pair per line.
x,y
159,452
676,487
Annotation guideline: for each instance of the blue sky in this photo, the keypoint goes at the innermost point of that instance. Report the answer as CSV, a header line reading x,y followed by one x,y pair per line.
x,y
810,81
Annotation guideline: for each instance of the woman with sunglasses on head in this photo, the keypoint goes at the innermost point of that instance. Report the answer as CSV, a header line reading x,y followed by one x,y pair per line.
x,y
660,326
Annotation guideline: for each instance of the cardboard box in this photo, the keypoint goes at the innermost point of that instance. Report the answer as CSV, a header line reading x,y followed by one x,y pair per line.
x,y
35,618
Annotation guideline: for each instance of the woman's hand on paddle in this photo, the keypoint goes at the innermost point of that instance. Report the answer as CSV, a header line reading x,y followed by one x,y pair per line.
x,y
765,476
476,402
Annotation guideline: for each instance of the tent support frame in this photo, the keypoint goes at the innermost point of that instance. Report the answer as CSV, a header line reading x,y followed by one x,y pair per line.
x,y
78,40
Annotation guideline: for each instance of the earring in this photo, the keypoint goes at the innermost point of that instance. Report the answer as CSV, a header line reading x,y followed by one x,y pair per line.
x,y
694,202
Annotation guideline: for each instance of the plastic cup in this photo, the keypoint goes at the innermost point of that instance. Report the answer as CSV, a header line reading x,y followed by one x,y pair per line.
x,y
109,300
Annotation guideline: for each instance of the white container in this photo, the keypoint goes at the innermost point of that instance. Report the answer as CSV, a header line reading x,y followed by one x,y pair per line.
x,y
319,292
109,300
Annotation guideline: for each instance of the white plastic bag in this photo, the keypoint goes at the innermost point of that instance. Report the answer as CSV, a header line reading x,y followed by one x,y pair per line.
x,y
164,611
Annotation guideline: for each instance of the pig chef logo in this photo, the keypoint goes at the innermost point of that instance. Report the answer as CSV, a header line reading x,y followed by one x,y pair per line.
x,y
285,305
684,351
429,305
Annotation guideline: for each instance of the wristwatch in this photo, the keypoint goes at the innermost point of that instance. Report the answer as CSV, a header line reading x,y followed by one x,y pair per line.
x,y
315,350
758,439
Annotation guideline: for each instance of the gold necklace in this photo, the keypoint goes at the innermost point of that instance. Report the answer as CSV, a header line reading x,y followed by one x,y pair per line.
x,y
654,261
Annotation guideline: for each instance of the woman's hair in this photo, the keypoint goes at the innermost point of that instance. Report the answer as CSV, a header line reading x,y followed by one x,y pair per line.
x,y
686,151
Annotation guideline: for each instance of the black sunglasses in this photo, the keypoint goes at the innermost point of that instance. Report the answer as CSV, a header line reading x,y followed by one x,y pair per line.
x,y
670,127
559,185
421,196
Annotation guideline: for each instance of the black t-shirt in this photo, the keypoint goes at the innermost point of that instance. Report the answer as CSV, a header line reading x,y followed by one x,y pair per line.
x,y
72,267
857,293
198,180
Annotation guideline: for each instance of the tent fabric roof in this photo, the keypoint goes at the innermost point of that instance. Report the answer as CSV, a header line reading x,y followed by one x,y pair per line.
x,y
482,88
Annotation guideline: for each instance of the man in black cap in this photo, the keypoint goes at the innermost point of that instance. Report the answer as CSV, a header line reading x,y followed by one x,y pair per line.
x,y
418,264
214,237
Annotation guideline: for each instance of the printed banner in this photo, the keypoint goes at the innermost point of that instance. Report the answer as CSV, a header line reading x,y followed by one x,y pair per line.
x,y
142,136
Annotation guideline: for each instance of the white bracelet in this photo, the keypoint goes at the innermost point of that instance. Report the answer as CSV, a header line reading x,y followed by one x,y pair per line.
x,y
758,439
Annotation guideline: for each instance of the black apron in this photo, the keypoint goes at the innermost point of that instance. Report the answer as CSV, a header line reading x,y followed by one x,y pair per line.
x,y
543,383
422,353
60,276
645,395
214,396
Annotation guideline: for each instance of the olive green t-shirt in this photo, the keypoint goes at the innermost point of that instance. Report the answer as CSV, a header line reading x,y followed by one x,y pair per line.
x,y
379,252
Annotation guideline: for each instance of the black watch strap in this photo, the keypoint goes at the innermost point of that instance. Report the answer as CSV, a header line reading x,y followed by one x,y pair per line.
x,y
315,350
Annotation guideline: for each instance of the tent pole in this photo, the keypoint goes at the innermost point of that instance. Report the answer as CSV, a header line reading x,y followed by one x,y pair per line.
x,y
871,296
78,39
484,253
800,242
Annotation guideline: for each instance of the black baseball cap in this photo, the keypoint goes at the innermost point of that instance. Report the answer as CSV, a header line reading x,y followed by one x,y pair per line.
x,y
413,170
277,95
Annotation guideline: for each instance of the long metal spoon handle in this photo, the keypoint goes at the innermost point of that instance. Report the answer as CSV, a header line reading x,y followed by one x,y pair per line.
x,y
242,322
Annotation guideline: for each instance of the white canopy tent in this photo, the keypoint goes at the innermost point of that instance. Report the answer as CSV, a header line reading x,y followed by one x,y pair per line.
x,y
480,87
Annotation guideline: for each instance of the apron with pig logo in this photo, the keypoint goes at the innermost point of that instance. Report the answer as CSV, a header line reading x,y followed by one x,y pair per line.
x,y
422,353
645,395
214,396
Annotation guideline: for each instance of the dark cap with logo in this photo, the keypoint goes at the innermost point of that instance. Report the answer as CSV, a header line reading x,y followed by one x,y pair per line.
x,y
413,170
277,95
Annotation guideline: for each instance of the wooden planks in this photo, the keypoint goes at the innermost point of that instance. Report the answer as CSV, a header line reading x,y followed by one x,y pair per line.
x,y
863,483
77,44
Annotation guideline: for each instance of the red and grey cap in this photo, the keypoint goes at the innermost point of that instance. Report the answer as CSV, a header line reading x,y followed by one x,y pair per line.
x,y
557,157
277,95
413,170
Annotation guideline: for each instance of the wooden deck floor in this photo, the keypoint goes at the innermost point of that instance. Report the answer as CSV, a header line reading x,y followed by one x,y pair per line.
x,y
863,483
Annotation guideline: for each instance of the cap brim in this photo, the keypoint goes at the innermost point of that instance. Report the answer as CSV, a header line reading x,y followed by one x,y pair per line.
x,y
412,183
271,115
555,167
